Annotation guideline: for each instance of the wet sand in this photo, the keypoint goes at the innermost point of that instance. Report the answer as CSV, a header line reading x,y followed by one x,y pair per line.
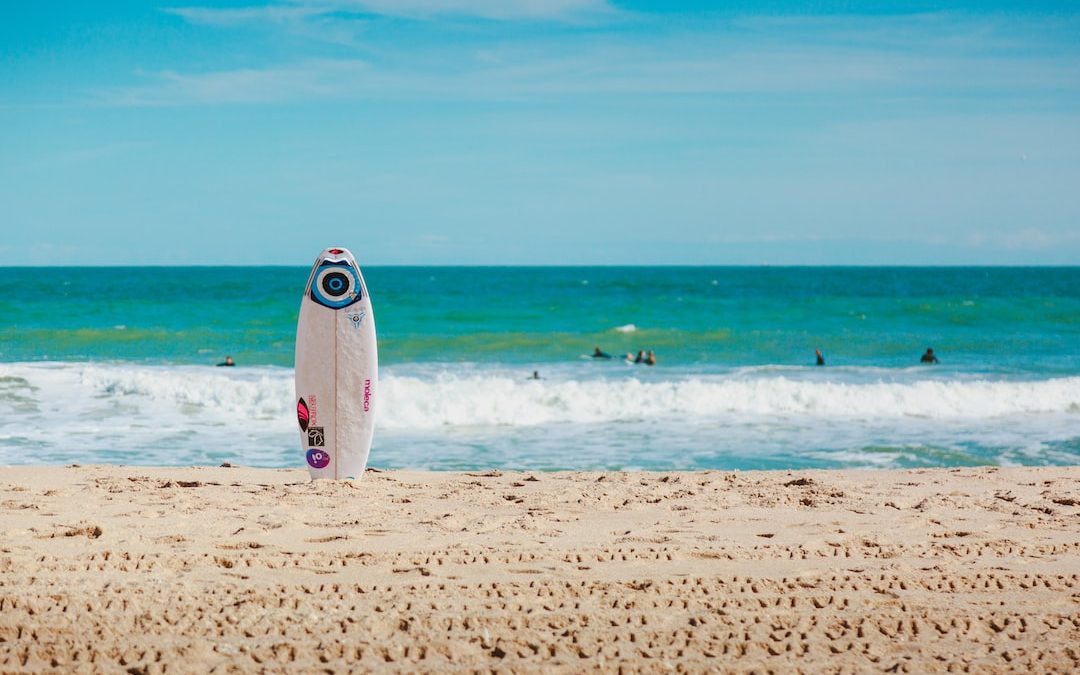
x,y
247,570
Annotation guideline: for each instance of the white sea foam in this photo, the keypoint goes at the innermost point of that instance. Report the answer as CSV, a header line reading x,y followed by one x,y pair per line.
x,y
450,400
217,394
479,398
128,408
628,328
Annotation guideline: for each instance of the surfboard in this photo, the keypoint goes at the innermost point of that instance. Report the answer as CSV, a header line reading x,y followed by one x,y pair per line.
x,y
337,368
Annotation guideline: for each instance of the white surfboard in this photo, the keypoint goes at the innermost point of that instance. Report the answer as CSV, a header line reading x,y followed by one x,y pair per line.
x,y
337,368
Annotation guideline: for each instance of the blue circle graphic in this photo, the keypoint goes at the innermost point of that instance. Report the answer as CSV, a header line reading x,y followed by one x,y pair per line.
x,y
335,283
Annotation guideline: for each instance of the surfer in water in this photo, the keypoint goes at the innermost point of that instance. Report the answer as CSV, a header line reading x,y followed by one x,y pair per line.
x,y
650,360
820,358
640,358
227,362
535,375
597,354
929,356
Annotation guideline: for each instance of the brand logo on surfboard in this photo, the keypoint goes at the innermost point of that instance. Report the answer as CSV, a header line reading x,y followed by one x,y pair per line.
x,y
302,414
316,436
318,458
367,395
356,318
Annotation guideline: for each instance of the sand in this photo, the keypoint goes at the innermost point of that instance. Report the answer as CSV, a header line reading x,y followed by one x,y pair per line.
x,y
249,570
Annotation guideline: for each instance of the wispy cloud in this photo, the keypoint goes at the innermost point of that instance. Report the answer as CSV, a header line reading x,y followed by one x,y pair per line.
x,y
1025,239
940,57
496,10
486,9
556,68
216,16
318,79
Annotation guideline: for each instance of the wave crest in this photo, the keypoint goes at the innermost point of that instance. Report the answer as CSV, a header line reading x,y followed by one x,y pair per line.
x,y
487,399
411,402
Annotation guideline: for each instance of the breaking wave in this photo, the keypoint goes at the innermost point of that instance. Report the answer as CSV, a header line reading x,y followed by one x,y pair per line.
x,y
492,399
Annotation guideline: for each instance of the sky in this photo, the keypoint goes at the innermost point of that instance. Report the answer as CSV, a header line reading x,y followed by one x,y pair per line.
x,y
511,132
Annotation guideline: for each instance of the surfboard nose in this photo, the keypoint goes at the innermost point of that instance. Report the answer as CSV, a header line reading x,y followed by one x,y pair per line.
x,y
337,254
335,280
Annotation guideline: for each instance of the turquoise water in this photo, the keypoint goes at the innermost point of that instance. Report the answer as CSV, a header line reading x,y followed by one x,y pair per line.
x,y
116,364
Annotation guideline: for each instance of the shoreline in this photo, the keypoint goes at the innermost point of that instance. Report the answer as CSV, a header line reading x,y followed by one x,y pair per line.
x,y
240,569
580,415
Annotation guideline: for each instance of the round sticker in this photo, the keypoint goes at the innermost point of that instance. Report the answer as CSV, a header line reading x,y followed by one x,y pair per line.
x,y
318,458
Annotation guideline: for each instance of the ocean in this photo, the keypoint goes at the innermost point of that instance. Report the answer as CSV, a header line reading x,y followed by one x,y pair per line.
x,y
117,365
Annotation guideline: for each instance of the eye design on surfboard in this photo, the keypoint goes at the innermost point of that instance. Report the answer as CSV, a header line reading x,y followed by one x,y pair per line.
x,y
335,284
302,414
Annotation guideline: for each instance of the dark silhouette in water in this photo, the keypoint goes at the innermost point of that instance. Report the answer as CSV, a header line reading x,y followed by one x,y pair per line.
x,y
929,356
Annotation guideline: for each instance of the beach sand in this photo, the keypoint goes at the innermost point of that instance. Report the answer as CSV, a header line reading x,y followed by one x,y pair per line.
x,y
233,569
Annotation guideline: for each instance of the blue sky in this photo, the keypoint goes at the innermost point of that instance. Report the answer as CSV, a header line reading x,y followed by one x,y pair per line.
x,y
539,132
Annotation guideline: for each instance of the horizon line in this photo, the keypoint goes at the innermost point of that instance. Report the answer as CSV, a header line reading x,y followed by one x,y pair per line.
x,y
570,266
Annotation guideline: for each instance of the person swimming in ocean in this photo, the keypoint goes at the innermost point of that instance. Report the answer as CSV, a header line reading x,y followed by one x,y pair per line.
x,y
820,358
597,354
227,362
650,360
535,375
640,358
929,356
